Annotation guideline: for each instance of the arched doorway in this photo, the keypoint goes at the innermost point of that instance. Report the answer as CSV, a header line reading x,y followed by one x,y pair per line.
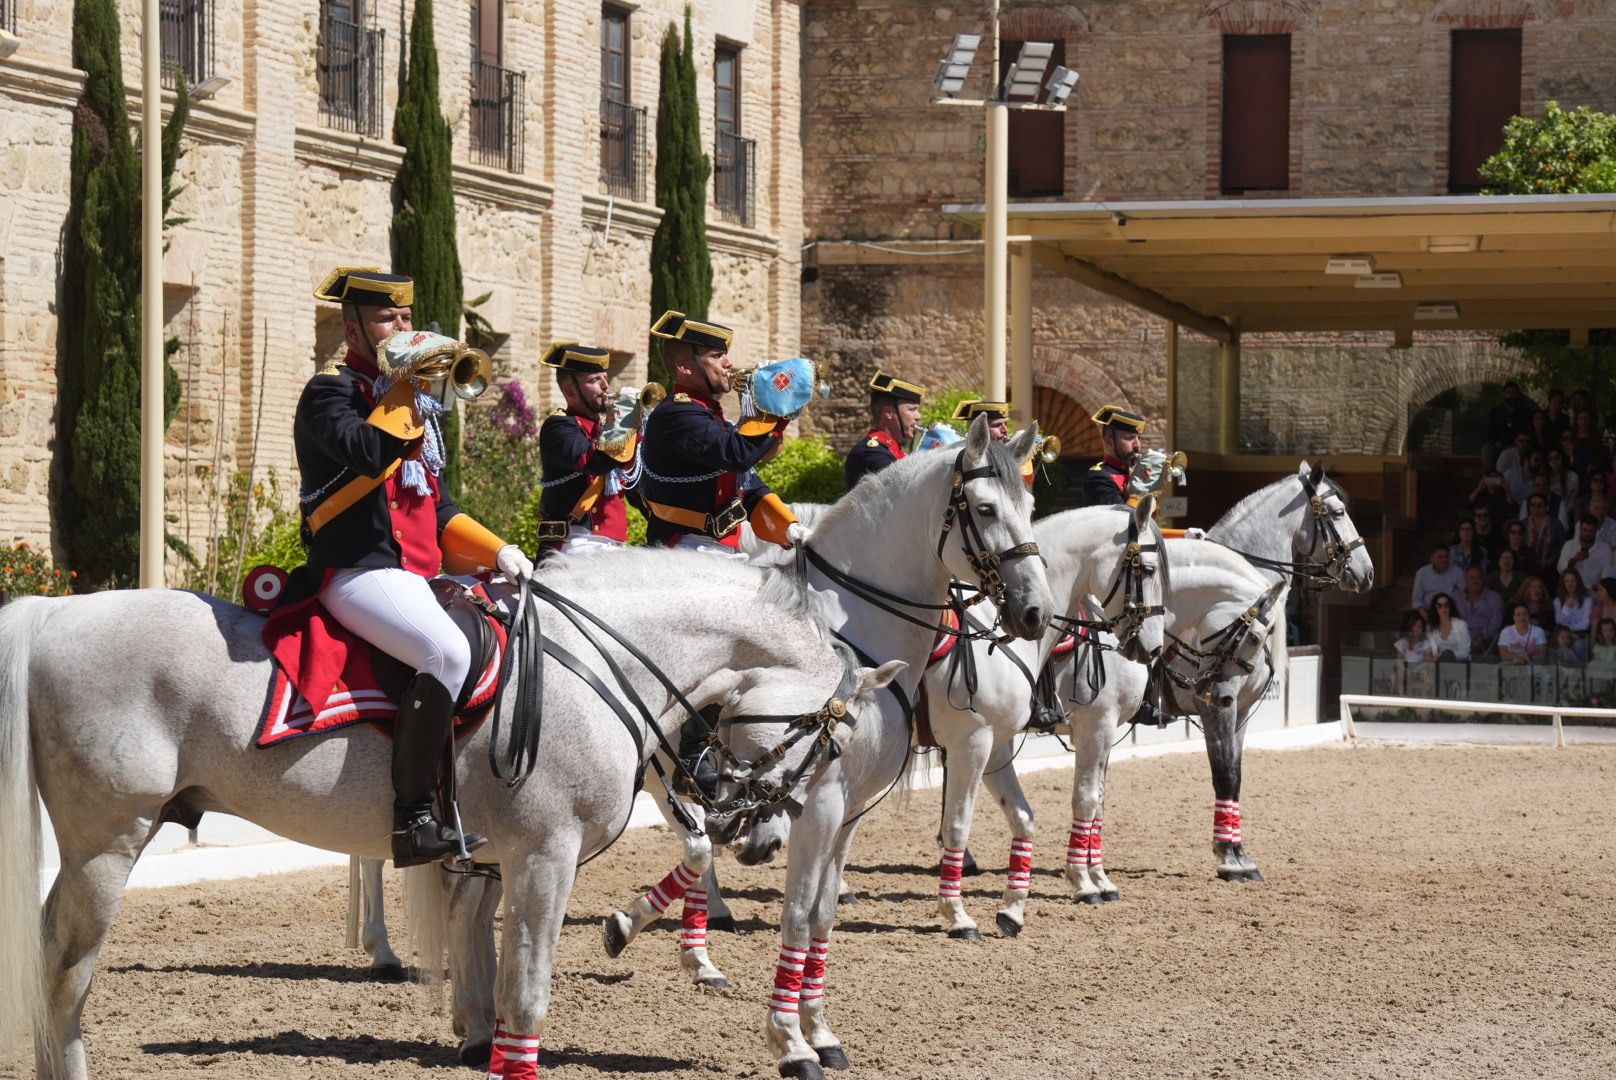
x,y
1453,422
1057,414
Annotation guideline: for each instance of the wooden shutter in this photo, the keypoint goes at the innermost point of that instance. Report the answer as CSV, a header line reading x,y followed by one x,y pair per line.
x,y
1256,113
487,31
1484,92
727,90
614,55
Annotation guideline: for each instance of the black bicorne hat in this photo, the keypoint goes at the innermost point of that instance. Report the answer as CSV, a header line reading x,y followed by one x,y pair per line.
x,y
571,356
896,388
1115,416
970,410
366,285
677,326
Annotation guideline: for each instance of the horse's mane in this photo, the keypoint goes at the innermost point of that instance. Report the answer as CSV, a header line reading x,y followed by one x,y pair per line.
x,y
1247,506
881,489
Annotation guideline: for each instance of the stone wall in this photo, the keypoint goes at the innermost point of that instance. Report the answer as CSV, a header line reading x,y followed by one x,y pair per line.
x,y
275,198
1369,108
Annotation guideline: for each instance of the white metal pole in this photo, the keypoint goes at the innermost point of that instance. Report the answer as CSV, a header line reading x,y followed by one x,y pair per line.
x,y
151,302
1021,335
995,248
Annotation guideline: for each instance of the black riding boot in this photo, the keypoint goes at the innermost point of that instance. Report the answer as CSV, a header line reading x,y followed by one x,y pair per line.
x,y
421,737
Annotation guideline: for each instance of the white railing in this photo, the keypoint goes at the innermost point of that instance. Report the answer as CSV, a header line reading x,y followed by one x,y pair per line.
x,y
1556,713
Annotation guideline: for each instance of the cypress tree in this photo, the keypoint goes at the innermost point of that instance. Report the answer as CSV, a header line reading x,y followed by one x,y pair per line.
x,y
98,364
424,244
681,267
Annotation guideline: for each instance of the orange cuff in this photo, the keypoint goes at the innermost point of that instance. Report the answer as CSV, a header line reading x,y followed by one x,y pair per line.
x,y
396,414
759,425
770,519
468,546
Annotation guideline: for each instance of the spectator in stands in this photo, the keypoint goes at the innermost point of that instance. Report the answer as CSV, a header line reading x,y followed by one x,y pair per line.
x,y
1505,577
1513,456
1583,401
1506,419
1585,554
1544,536
1599,510
1563,481
1467,552
1539,605
1559,509
1450,635
1538,427
1602,653
1574,605
1589,454
1558,419
1482,610
1604,601
1414,674
1515,544
1519,479
1597,483
1567,649
1491,495
1487,528
1522,641
1439,575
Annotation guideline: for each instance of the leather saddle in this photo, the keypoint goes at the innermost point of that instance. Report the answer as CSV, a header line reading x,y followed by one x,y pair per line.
x,y
470,617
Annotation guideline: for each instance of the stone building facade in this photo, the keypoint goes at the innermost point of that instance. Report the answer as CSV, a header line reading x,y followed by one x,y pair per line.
x,y
893,282
277,192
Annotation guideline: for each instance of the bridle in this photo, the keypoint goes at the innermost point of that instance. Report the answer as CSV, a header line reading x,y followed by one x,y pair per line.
x,y
1219,651
1310,571
990,583
1130,585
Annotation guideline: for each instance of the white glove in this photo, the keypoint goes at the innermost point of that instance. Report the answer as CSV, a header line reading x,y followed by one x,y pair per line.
x,y
512,563
1192,533
797,533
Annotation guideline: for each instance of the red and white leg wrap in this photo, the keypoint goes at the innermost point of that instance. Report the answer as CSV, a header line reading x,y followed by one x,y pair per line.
x,y
1226,821
671,888
1083,845
788,980
950,873
513,1057
1020,877
693,926
813,970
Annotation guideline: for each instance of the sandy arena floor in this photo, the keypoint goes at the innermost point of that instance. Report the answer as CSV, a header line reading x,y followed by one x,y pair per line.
x,y
1428,913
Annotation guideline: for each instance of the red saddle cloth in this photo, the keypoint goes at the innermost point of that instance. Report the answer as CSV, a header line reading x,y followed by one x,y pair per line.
x,y
946,642
324,680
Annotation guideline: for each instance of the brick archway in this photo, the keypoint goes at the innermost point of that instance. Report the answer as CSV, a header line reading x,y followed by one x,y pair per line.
x,y
1059,415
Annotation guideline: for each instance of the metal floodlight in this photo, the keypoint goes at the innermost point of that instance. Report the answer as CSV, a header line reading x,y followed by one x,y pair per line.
x,y
951,73
1060,85
8,43
1026,73
209,86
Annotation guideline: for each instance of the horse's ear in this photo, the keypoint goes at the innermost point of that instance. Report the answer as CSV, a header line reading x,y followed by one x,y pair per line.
x,y
977,437
1318,473
1142,512
1023,443
1304,469
869,680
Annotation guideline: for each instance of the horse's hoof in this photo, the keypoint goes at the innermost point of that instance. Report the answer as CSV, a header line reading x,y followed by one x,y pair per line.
x,y
1253,874
806,1069
832,1057
723,923
613,933
1110,896
714,983
388,973
847,899
1232,875
1091,899
475,1054
965,933
1007,926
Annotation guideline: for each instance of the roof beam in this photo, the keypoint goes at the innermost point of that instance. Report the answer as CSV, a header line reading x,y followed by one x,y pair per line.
x,y
1084,274
1302,245
1501,321
1367,227
1215,263
1244,298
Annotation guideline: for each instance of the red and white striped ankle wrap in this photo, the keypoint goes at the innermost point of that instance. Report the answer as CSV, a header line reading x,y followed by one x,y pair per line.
x,y
1020,877
693,925
513,1057
671,888
1083,844
950,872
813,970
788,980
1226,821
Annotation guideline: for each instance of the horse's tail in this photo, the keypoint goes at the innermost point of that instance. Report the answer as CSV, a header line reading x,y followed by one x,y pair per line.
x,y
426,910
22,997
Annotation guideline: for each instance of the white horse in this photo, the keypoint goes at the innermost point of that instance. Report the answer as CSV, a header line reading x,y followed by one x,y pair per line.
x,y
1104,567
129,709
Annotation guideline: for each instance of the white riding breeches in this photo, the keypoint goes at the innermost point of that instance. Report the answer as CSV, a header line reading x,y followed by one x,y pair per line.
x,y
581,541
395,611
698,542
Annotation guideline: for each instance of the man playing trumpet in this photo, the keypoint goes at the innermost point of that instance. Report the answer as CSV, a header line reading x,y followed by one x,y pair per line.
x,y
380,524
581,509
698,486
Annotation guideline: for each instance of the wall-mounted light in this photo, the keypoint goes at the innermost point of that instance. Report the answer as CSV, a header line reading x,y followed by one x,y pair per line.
x,y
1026,73
1385,279
1440,309
951,73
1060,85
1452,245
1351,265
208,87
8,43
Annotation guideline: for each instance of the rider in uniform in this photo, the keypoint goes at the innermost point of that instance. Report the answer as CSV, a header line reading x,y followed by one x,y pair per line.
x,y
698,485
581,509
379,525
894,415
998,414
1120,434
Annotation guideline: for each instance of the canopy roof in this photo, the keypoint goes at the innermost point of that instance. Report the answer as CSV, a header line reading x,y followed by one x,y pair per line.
x,y
1515,262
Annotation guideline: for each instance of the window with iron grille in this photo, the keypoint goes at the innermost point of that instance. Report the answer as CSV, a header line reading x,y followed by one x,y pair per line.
x,y
351,58
8,15
185,31
497,93
622,126
1484,93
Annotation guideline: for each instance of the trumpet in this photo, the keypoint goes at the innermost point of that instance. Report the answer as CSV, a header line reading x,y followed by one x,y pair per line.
x,y
1048,448
619,434
468,370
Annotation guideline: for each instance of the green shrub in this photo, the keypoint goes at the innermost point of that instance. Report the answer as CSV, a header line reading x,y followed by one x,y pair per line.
x,y
807,470
502,467
258,528
1563,153
939,408
27,571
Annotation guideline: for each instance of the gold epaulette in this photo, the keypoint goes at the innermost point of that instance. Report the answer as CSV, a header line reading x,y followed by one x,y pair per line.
x,y
681,397
558,412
